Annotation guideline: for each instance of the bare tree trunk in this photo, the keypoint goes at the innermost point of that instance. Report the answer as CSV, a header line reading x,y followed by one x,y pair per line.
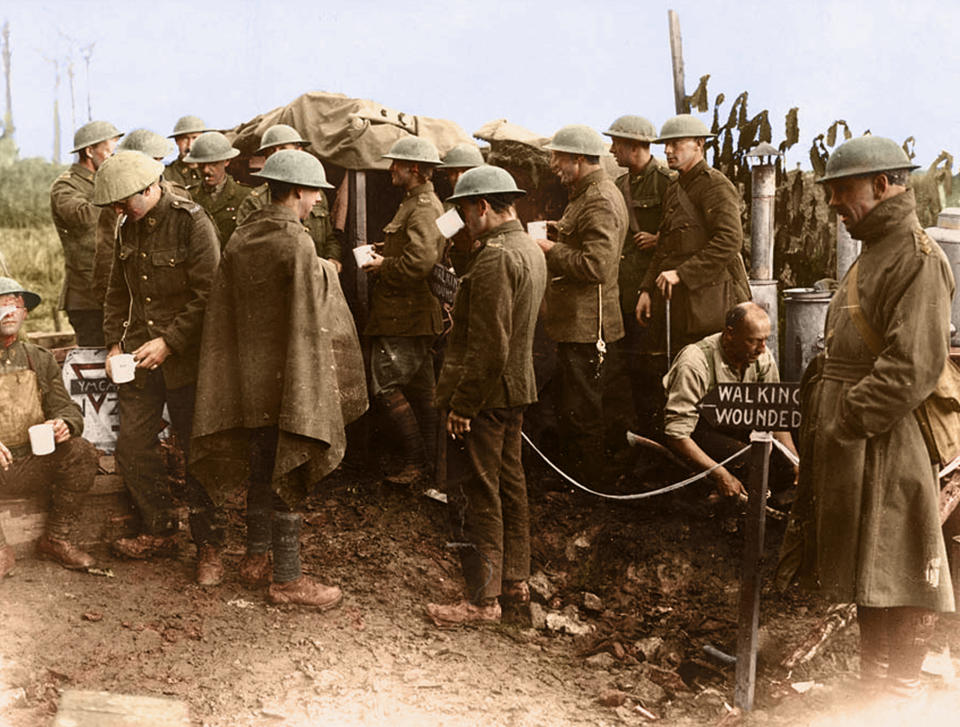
x,y
8,112
73,96
676,58
87,52
56,112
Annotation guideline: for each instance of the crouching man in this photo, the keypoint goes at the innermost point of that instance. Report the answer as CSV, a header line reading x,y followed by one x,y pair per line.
x,y
281,375
486,382
32,392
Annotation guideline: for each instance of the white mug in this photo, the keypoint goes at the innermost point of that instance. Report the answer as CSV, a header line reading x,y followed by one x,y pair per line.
x,y
363,254
537,229
449,223
41,438
122,368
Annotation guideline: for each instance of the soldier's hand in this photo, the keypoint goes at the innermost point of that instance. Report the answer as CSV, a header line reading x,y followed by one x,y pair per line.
x,y
665,282
5,457
643,309
726,484
337,264
645,240
545,245
114,350
552,231
457,425
61,432
375,262
151,354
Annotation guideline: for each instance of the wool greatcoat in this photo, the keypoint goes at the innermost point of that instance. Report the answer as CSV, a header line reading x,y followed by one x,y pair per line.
x,y
75,217
222,207
279,349
318,222
179,172
865,526
701,238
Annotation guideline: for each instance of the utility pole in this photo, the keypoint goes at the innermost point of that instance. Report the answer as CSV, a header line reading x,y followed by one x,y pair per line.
x,y
73,97
676,57
87,51
8,111
56,109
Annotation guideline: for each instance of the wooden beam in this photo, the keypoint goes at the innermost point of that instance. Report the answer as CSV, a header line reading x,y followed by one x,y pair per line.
x,y
676,57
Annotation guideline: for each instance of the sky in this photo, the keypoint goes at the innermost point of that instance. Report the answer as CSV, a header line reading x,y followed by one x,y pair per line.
x,y
886,66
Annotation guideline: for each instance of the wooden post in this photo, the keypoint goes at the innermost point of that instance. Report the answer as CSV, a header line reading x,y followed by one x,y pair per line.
x,y
676,56
749,617
358,236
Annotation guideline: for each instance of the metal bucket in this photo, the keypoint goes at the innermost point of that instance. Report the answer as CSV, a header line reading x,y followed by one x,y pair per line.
x,y
764,293
805,313
947,234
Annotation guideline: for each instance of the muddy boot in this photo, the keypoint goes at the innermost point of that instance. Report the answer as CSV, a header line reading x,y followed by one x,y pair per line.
x,y
255,570
908,630
7,561
515,593
463,613
874,649
305,591
209,565
406,430
64,552
428,418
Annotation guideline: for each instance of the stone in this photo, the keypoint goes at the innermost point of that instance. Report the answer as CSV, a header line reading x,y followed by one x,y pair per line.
x,y
592,602
649,647
541,587
649,692
79,708
564,623
612,697
602,660
538,616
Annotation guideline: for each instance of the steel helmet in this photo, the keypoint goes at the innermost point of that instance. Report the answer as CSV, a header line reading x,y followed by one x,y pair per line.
x,y
210,146
9,286
149,142
484,180
684,126
632,127
188,125
413,149
94,133
124,174
462,156
577,139
280,134
865,155
295,166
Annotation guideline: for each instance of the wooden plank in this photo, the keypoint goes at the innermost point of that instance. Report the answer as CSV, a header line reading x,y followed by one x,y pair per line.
x,y
749,616
676,58
358,237
79,708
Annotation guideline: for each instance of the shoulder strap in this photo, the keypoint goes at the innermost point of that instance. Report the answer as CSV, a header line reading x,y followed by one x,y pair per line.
x,y
687,204
867,332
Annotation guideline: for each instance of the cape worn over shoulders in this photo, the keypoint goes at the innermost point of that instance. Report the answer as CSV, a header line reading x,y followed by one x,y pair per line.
x,y
279,349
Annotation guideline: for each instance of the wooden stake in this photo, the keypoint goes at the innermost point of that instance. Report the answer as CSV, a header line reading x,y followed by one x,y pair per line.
x,y
749,617
676,57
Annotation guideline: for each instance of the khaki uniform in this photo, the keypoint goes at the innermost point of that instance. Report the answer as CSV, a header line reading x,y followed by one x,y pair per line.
x,y
32,391
180,173
318,222
162,269
223,206
865,527
701,238
75,217
488,376
583,298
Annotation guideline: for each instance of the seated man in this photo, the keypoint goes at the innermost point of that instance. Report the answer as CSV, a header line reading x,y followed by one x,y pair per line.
x,y
736,354
32,392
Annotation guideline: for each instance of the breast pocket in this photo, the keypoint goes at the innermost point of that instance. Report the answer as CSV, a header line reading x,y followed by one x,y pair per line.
x,y
170,270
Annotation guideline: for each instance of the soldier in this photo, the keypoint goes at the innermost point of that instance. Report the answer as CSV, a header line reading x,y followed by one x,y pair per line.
x,y
404,315
583,300
277,138
32,392
642,188
186,131
696,264
219,194
165,256
865,527
75,217
486,382
458,160
277,411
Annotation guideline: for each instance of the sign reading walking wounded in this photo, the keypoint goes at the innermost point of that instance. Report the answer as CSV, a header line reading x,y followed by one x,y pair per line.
x,y
764,407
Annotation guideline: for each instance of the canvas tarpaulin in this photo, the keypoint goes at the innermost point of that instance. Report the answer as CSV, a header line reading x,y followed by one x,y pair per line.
x,y
349,132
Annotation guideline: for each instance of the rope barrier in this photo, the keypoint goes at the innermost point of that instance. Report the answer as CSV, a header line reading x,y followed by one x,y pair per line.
x,y
636,495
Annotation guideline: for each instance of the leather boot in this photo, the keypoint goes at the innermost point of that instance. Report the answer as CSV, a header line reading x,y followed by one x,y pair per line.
x,y
255,570
404,429
305,591
209,566
463,613
874,648
64,552
909,630
515,593
7,561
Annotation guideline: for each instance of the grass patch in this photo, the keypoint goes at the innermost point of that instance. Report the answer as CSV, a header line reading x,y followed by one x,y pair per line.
x,y
25,192
34,257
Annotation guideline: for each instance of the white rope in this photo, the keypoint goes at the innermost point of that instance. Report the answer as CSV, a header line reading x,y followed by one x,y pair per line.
x,y
637,495
794,459
950,468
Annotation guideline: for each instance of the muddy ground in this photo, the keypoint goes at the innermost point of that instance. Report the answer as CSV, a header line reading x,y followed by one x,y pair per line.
x,y
663,571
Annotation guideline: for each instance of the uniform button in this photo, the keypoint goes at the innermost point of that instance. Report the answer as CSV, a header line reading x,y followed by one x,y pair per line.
x,y
148,299
149,323
144,277
143,254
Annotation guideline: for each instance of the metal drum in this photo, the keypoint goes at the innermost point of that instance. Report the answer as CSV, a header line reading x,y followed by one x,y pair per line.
x,y
805,313
947,234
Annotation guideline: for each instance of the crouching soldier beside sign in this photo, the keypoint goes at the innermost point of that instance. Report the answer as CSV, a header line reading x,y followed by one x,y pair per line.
x,y
486,381
31,393
281,375
736,354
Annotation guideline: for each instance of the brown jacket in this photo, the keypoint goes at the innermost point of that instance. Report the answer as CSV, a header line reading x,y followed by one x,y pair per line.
x,y
402,304
865,526
586,256
75,217
488,362
178,172
279,349
164,263
224,208
318,223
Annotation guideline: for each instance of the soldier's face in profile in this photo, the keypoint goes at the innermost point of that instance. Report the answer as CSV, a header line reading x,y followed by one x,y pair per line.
x,y
308,198
401,173
747,342
682,154
622,150
136,206
184,142
472,212
454,174
99,153
852,198
214,172
13,319
565,166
